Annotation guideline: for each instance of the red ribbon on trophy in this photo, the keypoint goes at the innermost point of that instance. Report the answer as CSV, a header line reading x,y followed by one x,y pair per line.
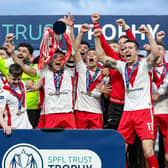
x,y
52,40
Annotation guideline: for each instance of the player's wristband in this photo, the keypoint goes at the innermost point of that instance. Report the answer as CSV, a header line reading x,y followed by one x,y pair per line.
x,y
96,25
126,28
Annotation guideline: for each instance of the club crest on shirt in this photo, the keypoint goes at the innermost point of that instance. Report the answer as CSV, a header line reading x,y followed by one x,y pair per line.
x,y
2,99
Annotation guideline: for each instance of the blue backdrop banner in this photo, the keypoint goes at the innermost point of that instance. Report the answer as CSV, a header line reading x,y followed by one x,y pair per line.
x,y
30,28
62,149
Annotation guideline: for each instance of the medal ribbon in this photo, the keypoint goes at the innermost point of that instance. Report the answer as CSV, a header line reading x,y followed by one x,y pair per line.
x,y
159,80
58,80
128,77
163,74
94,83
20,99
90,80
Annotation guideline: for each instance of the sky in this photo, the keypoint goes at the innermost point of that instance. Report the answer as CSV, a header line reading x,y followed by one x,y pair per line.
x,y
84,7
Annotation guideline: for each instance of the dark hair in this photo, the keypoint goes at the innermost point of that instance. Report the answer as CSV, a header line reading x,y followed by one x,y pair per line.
x,y
112,41
91,49
133,41
123,36
161,44
3,48
59,51
86,43
56,51
15,70
28,46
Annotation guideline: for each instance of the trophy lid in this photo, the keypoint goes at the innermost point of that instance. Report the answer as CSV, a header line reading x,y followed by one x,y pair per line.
x,y
59,27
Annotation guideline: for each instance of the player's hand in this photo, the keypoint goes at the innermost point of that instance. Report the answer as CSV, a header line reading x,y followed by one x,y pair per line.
x,y
143,29
122,23
147,47
7,130
68,20
97,32
29,84
106,89
95,18
9,37
105,71
84,28
155,97
160,35
10,46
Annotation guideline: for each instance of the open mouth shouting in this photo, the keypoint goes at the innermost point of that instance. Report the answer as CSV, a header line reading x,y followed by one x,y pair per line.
x,y
82,53
57,63
20,56
128,55
91,60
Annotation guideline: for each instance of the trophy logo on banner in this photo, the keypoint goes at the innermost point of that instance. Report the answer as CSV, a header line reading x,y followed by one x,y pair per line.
x,y
23,160
22,156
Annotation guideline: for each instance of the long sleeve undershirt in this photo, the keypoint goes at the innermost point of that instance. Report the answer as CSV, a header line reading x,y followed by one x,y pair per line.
x,y
107,49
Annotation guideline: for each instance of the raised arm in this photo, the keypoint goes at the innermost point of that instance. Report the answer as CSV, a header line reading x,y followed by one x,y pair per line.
x,y
69,21
31,71
108,61
84,28
152,58
10,46
160,36
70,24
122,23
107,49
100,52
147,49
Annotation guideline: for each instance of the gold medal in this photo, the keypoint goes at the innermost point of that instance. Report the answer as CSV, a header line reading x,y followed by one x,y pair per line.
x,y
82,92
57,93
89,93
127,90
50,94
18,112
